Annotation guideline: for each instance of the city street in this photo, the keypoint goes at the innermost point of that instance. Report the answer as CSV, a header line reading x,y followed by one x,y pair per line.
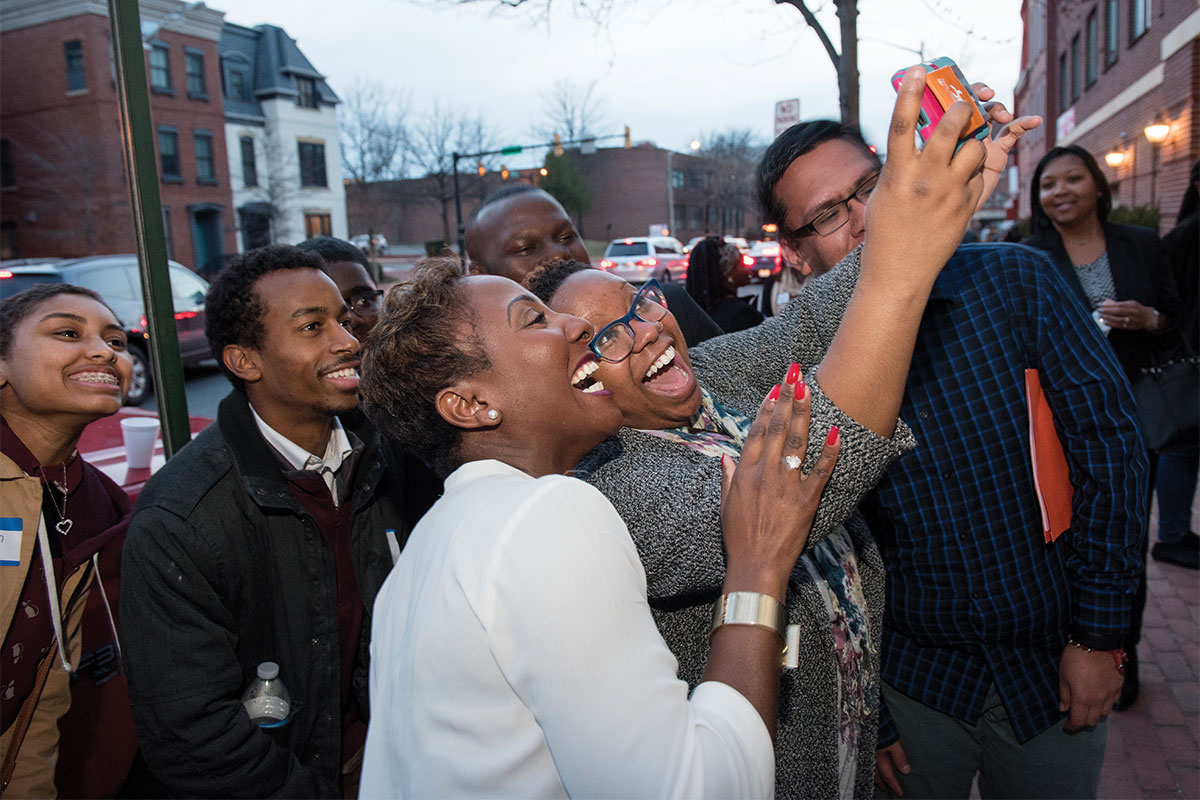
x,y
206,386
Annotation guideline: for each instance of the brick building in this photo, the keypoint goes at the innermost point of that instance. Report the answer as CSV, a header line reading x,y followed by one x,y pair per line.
x,y
63,187
1099,72
632,189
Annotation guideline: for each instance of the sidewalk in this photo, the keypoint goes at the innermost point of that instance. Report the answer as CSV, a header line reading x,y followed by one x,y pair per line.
x,y
1154,747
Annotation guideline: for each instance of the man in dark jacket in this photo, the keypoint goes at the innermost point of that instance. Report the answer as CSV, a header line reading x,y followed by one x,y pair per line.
x,y
264,539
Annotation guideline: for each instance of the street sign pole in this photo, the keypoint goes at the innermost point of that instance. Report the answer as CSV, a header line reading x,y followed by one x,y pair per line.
x,y
137,139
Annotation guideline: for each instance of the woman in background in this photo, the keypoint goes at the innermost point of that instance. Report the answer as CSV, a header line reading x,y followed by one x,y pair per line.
x,y
715,272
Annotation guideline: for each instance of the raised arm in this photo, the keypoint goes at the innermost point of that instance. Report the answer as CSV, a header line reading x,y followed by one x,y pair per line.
x,y
915,220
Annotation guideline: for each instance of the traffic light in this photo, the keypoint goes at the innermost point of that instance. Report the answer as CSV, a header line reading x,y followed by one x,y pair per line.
x,y
481,169
558,148
503,172
628,141
544,172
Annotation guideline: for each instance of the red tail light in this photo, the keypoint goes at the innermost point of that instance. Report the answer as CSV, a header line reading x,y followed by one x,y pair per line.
x,y
747,261
5,274
606,264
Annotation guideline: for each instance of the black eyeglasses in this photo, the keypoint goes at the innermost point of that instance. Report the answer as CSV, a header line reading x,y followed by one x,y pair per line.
x,y
365,302
614,342
831,219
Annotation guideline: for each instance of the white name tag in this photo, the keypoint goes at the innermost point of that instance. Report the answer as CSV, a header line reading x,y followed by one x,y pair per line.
x,y
10,541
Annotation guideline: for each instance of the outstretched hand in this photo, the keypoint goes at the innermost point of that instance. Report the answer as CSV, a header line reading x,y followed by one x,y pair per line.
x,y
1001,144
919,210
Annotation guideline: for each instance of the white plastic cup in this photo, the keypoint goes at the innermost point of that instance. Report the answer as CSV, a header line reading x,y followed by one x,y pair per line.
x,y
139,434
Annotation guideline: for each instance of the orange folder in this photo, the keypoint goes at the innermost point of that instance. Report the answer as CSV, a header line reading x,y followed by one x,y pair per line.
x,y
1051,478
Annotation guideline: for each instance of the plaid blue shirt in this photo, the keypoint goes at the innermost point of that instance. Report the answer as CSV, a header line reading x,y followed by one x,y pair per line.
x,y
974,594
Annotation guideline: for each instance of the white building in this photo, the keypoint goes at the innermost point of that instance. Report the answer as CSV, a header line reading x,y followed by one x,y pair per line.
x,y
281,132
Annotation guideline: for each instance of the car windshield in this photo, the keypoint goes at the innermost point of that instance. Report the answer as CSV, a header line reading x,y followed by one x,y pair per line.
x,y
627,249
765,249
20,282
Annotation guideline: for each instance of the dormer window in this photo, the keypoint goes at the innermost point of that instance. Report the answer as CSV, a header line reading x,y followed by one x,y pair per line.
x,y
306,92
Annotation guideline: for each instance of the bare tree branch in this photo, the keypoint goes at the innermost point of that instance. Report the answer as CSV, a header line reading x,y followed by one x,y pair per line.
x,y
571,110
374,136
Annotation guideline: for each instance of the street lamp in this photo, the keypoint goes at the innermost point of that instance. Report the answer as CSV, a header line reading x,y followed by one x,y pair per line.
x,y
695,145
1114,158
1156,133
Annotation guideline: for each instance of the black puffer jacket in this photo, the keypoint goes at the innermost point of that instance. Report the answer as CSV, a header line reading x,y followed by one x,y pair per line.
x,y
222,570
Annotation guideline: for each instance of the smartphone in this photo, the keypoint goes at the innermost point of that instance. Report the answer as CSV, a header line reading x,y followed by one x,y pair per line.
x,y
945,84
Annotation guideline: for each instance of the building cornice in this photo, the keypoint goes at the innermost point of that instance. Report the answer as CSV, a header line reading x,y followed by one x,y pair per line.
x,y
201,22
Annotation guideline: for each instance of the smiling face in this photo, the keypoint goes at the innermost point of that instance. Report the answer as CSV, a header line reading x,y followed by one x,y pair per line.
x,y
814,183
538,378
306,370
1068,192
654,387
68,358
513,236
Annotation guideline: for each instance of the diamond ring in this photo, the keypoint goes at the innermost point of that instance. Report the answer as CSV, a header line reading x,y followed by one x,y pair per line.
x,y
791,462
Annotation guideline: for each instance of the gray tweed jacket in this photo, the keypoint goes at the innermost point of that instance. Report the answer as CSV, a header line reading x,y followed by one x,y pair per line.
x,y
669,496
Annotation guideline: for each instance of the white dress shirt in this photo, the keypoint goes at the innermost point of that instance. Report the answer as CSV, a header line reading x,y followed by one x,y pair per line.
x,y
513,655
336,451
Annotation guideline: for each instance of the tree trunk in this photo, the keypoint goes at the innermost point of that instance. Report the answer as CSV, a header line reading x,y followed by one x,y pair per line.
x,y
844,63
847,66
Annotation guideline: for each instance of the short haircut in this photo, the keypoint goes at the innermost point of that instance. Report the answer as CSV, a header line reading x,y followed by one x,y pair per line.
x,y
332,250
503,193
423,343
15,309
1039,223
798,140
234,309
546,279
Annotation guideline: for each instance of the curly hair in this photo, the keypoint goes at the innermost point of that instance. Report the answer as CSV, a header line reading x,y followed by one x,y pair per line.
x,y
545,280
424,342
1039,222
14,310
234,309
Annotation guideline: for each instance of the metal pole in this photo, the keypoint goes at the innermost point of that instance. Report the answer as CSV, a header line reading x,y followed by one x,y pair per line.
x,y
137,134
462,229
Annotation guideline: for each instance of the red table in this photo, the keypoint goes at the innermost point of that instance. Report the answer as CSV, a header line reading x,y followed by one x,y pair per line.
x,y
102,446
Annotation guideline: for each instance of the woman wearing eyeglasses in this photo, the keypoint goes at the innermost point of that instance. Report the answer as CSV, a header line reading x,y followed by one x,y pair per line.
x,y
512,650
684,412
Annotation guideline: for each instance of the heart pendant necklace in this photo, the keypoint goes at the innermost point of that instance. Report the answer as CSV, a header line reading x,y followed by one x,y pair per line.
x,y
63,526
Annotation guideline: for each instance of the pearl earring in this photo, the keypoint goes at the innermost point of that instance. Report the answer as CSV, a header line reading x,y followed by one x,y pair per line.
x,y
493,414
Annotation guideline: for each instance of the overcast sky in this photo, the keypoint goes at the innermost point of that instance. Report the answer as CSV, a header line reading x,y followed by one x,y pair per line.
x,y
670,69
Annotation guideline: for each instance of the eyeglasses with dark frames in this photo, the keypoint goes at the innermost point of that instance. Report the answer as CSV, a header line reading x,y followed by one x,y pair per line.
x,y
833,218
614,342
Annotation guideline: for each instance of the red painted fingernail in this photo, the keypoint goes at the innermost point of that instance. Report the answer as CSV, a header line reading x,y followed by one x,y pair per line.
x,y
774,393
793,374
801,390
833,435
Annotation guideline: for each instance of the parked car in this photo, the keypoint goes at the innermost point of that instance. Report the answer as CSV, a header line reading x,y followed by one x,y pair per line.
x,y
639,258
362,243
115,278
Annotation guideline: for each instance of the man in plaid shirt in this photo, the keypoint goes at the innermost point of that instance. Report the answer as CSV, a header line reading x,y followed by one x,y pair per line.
x,y
1001,653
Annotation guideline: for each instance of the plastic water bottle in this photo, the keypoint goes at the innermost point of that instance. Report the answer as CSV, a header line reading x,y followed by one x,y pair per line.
x,y
266,699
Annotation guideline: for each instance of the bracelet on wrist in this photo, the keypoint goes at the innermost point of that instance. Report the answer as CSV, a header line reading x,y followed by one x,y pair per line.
x,y
1120,658
756,608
